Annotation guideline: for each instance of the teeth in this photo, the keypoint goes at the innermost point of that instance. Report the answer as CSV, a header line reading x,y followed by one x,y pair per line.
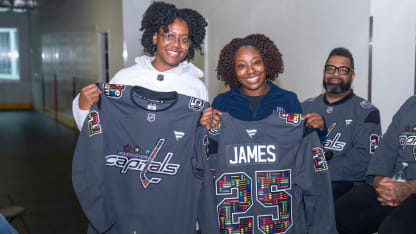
x,y
253,79
173,52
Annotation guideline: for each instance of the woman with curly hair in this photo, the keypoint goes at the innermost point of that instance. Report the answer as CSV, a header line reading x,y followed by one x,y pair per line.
x,y
248,66
170,36
265,157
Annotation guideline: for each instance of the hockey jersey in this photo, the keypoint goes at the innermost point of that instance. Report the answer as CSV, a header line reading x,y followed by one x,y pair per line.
x,y
270,177
354,130
135,167
398,144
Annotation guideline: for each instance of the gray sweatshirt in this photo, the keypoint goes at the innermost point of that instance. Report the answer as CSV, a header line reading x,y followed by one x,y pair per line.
x,y
354,130
135,168
398,144
270,176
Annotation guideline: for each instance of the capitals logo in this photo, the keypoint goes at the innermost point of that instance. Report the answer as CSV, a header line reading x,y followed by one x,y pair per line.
x,y
290,118
145,164
113,90
374,140
94,126
319,160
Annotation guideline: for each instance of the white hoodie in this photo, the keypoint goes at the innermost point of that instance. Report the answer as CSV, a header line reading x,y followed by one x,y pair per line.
x,y
184,79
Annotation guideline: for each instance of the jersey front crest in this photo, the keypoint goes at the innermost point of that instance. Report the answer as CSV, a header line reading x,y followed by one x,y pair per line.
x,y
144,164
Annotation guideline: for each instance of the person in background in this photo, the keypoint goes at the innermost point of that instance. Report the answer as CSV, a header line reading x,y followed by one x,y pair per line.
x,y
352,123
388,204
170,36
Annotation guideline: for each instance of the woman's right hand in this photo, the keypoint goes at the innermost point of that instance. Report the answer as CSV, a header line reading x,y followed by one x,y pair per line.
x,y
89,94
210,117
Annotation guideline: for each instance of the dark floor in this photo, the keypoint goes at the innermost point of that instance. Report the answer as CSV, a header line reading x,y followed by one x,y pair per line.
x,y
35,172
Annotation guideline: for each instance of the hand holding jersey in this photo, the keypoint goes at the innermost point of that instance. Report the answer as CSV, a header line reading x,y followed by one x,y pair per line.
x,y
352,123
314,120
211,118
89,94
134,170
270,176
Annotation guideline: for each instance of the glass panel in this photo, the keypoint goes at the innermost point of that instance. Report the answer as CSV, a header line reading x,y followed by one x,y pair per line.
x,y
5,60
9,54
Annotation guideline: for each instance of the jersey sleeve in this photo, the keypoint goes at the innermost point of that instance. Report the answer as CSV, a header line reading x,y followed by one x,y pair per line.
x,y
80,115
313,179
207,214
385,157
87,173
364,140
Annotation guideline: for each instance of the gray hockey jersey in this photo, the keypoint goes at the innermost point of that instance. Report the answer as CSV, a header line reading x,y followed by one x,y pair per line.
x,y
354,130
270,177
398,144
135,167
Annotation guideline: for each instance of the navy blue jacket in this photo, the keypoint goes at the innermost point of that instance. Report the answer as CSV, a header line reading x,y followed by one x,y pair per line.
x,y
236,103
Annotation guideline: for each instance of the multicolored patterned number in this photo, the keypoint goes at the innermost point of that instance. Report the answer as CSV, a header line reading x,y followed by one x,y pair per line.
x,y
94,126
227,208
374,140
270,186
319,160
270,193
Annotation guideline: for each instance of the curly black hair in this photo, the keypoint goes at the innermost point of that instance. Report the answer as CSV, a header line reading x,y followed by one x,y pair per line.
x,y
272,59
161,14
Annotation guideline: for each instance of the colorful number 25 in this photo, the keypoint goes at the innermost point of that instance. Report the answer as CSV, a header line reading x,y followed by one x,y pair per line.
x,y
270,192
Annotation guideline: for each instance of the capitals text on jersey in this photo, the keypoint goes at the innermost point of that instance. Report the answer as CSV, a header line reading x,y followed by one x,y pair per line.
x,y
147,165
251,154
407,140
334,144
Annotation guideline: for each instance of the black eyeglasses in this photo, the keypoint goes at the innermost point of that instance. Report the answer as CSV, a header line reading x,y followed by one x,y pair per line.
x,y
342,70
169,38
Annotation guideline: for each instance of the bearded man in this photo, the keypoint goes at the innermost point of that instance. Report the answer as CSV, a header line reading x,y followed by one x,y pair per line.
x,y
352,123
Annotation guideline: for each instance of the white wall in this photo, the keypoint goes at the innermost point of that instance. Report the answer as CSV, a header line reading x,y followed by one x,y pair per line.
x,y
17,91
394,51
305,32
132,17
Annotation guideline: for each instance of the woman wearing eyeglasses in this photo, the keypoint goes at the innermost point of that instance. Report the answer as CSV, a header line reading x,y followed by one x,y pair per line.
x,y
170,36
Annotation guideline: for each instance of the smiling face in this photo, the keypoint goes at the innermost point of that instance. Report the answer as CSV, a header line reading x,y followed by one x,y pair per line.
x,y
337,82
250,71
170,52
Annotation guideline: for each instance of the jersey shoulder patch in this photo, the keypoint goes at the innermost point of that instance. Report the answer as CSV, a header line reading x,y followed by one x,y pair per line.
x,y
373,117
366,104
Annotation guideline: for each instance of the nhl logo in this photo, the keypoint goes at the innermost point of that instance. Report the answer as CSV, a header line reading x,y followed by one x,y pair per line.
x,y
329,109
366,104
151,117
